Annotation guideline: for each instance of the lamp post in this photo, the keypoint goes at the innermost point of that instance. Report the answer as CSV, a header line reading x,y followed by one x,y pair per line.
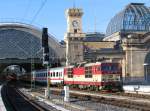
x,y
45,47
145,69
32,80
46,64
32,75
48,85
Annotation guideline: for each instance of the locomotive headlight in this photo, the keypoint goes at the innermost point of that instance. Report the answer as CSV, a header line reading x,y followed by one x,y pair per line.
x,y
103,78
117,77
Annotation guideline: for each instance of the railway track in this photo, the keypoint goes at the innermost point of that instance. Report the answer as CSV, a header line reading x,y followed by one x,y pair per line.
x,y
139,106
14,100
136,95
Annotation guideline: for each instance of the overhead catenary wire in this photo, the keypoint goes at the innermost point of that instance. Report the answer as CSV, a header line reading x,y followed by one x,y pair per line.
x,y
32,20
32,47
36,14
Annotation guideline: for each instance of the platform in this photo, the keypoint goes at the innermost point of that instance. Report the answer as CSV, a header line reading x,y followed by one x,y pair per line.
x,y
140,89
2,106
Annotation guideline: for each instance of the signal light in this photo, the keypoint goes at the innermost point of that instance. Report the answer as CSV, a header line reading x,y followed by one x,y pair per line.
x,y
45,46
45,37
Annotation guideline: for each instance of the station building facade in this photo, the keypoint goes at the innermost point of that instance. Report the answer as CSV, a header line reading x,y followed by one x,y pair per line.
x,y
126,41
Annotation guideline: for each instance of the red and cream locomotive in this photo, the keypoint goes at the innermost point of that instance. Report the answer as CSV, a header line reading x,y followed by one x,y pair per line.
x,y
94,76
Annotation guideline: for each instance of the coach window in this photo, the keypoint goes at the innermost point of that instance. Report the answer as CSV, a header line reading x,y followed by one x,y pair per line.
x,y
53,74
88,72
59,74
56,74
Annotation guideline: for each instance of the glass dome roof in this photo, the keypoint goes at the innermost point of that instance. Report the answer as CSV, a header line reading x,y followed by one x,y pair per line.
x,y
135,17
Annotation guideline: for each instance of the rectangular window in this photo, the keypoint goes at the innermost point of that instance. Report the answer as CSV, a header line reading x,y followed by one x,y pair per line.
x,y
76,46
56,74
53,74
69,72
75,30
88,72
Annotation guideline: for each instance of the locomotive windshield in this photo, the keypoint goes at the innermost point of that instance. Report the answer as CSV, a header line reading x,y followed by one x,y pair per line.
x,y
109,68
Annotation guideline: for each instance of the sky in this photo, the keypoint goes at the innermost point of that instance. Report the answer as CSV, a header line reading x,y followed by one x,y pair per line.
x,y
52,15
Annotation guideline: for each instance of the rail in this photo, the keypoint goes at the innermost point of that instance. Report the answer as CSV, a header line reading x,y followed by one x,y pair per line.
x,y
14,100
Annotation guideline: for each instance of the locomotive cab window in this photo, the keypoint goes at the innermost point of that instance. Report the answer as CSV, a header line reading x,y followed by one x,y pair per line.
x,y
88,72
106,68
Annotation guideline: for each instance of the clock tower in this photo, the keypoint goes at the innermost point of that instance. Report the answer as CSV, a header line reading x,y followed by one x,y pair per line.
x,y
74,36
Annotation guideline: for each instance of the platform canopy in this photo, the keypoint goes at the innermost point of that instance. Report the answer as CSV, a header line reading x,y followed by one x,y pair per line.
x,y
23,41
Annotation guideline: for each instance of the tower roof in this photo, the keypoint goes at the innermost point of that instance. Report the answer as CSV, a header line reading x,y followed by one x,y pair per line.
x,y
74,12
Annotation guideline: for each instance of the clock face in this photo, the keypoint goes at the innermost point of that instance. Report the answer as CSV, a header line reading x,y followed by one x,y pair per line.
x,y
75,24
